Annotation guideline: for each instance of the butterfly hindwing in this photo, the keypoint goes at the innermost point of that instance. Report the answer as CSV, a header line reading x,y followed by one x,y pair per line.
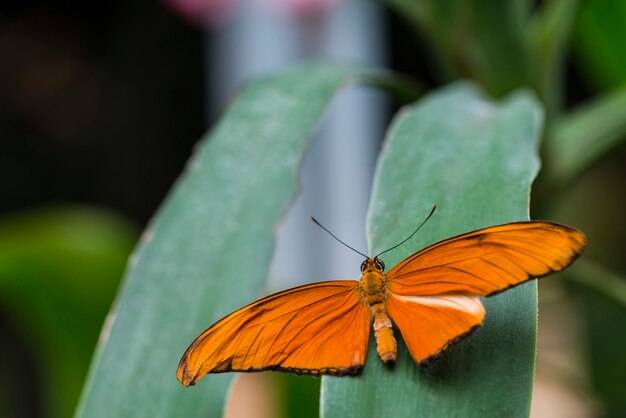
x,y
487,261
431,324
322,328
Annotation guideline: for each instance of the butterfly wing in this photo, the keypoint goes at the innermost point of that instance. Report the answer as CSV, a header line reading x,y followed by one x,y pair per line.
x,y
322,328
431,324
488,261
434,293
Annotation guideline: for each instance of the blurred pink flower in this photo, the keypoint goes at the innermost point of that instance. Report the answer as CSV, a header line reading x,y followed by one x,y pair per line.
x,y
212,13
203,13
299,8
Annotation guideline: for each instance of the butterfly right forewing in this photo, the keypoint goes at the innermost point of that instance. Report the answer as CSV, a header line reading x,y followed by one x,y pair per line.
x,y
489,260
434,294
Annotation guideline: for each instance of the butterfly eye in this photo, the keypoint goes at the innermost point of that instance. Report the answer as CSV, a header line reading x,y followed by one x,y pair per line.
x,y
379,264
363,266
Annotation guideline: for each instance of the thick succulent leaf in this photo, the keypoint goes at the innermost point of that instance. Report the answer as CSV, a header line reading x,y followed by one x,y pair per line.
x,y
209,247
476,159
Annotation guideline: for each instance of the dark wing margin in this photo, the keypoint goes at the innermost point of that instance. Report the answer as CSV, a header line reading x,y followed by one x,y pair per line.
x,y
487,261
316,329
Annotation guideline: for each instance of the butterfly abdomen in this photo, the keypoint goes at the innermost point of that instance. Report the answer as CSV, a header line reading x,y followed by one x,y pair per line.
x,y
373,294
386,345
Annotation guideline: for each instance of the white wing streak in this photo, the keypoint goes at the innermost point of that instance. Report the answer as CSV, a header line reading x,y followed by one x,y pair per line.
x,y
462,302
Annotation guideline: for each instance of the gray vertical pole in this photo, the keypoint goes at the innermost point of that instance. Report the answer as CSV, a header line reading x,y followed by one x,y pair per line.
x,y
337,171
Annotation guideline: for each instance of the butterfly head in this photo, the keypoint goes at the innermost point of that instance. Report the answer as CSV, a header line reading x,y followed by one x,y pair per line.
x,y
372,264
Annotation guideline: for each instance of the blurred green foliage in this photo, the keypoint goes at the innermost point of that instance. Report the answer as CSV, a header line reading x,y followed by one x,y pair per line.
x,y
598,43
572,54
59,267
59,271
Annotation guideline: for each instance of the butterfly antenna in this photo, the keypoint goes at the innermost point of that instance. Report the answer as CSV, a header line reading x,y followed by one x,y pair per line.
x,y
410,236
333,235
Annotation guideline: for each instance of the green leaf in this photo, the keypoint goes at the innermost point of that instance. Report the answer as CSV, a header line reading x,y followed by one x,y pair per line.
x,y
602,296
482,40
59,268
301,395
598,44
603,281
550,31
476,159
582,137
209,248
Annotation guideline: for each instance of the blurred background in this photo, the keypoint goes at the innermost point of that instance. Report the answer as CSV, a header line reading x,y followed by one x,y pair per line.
x,y
101,104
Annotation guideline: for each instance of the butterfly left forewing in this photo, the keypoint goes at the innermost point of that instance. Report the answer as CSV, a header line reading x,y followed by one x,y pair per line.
x,y
322,328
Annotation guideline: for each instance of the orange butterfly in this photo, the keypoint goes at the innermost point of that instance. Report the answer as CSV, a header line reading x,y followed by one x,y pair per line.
x,y
432,297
